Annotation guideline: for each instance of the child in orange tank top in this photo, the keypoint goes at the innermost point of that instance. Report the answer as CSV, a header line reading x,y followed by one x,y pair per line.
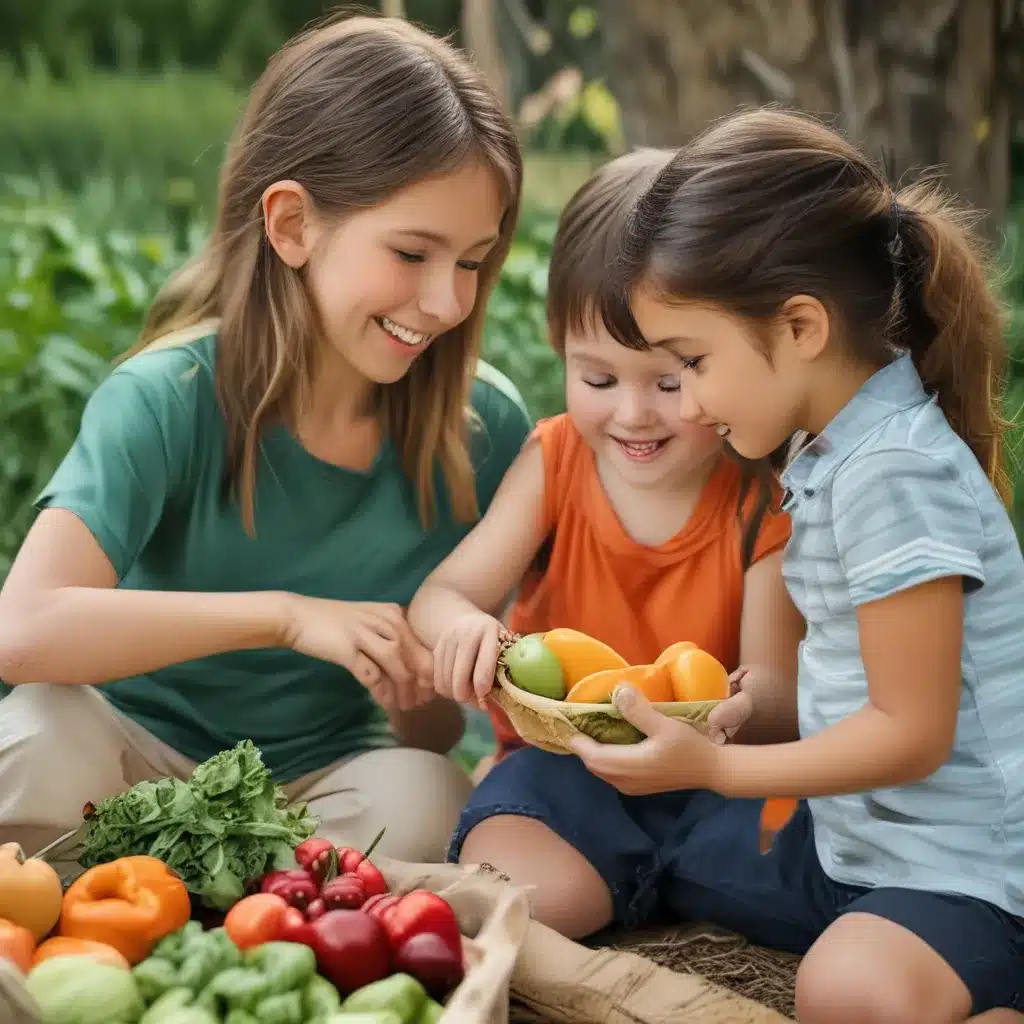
x,y
636,598
622,521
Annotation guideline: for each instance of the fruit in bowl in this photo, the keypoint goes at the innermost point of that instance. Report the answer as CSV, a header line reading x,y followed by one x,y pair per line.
x,y
554,685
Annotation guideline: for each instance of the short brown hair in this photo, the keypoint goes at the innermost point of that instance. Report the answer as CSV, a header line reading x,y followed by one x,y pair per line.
x,y
590,235
590,230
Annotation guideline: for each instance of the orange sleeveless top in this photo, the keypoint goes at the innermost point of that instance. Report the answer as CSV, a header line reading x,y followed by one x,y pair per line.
x,y
636,599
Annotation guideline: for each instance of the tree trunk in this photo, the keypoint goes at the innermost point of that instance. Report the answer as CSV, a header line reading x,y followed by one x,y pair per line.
x,y
932,83
480,36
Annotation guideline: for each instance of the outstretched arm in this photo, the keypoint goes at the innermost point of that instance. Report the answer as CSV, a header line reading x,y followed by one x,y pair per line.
x,y
63,620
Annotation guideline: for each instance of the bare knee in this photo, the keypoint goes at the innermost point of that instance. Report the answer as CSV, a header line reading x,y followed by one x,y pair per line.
x,y
837,992
867,970
567,892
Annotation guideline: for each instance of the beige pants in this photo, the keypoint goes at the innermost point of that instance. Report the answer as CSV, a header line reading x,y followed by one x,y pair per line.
x,y
63,746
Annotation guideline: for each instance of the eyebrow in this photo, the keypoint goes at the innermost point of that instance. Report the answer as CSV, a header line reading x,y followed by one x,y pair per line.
x,y
681,339
438,239
595,362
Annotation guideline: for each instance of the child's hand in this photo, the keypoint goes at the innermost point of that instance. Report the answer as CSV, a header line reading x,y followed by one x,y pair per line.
x,y
465,658
732,714
674,755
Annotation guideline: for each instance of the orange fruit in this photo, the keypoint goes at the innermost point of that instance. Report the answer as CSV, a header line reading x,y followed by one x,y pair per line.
x,y
581,655
653,681
697,675
673,651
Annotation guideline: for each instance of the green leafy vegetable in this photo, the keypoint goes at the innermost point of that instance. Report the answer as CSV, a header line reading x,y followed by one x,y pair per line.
x,y
223,828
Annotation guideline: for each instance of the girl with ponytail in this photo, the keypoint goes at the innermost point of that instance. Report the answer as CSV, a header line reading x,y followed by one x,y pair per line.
x,y
804,297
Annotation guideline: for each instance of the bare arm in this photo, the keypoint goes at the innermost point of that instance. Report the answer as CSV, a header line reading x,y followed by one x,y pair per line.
x,y
911,646
770,633
63,621
481,572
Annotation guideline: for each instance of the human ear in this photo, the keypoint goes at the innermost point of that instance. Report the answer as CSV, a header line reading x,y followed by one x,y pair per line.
x,y
288,221
805,326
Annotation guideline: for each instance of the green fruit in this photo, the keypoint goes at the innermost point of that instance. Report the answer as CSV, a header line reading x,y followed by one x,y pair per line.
x,y
535,668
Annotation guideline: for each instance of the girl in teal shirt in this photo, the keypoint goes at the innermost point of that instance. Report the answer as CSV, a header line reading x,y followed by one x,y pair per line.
x,y
302,436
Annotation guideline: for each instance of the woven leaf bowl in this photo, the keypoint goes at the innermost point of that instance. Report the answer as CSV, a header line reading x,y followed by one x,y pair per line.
x,y
551,724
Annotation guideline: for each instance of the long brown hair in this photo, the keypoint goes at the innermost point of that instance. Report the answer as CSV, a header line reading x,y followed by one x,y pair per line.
x,y
589,237
767,204
353,110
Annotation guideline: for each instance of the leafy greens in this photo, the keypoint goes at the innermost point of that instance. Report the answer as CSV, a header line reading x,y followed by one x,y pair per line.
x,y
220,830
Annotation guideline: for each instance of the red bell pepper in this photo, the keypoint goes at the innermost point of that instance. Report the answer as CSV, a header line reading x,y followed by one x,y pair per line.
x,y
416,913
346,892
297,887
354,862
318,857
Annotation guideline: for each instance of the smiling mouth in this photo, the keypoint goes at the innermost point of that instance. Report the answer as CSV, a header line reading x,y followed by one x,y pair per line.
x,y
722,430
641,451
404,335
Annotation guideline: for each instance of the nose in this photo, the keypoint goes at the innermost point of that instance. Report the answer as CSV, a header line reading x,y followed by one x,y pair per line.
x,y
446,297
689,408
635,408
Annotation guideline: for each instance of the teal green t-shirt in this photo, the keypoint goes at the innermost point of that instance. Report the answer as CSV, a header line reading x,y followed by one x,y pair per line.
x,y
145,475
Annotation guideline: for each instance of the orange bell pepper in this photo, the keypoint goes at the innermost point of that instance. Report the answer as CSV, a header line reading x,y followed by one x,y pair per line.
x,y
130,904
17,945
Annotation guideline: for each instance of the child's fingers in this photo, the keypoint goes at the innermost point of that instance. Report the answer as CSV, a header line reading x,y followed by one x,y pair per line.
x,y
486,661
444,659
726,719
462,671
736,679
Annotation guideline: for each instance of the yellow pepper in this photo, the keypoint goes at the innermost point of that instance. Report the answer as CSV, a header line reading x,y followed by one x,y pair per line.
x,y
130,904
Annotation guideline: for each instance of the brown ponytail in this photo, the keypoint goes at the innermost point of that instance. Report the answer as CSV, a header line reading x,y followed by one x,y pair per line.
x,y
953,323
766,205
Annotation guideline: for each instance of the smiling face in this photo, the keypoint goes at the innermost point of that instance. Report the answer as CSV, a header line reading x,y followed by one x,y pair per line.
x,y
625,403
727,382
390,280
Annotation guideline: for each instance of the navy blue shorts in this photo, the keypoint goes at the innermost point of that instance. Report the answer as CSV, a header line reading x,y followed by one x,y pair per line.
x,y
696,856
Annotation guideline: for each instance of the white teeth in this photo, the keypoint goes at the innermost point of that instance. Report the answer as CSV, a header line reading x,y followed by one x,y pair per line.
x,y
404,334
722,430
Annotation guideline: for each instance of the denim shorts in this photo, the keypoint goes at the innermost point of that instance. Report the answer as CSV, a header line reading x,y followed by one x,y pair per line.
x,y
696,856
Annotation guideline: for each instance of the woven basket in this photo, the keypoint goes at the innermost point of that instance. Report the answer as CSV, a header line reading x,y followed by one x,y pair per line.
x,y
550,724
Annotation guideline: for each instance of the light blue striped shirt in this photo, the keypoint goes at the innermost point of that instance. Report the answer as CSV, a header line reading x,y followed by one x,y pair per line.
x,y
886,498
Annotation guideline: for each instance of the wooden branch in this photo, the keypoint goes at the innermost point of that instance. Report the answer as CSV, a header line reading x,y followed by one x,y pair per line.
x,y
842,65
534,34
480,32
776,82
